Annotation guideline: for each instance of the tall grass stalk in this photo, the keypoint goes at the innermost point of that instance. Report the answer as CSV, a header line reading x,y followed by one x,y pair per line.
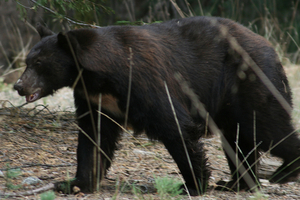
x,y
183,142
99,144
129,86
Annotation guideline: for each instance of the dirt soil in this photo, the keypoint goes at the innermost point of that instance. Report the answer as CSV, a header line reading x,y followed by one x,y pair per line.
x,y
42,143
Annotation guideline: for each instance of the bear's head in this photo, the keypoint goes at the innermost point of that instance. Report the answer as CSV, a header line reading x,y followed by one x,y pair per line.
x,y
49,66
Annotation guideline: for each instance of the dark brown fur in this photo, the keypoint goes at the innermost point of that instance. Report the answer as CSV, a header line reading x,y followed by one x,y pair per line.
x,y
195,48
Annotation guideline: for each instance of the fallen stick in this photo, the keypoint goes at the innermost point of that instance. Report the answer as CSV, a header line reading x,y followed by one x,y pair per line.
x,y
47,187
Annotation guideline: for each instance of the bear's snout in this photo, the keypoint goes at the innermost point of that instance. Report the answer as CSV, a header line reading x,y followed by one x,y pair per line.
x,y
19,86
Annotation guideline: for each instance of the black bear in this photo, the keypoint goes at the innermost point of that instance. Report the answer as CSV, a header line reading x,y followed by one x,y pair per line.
x,y
232,71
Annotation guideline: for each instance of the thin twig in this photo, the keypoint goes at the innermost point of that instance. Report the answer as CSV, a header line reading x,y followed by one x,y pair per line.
x,y
66,18
47,187
38,165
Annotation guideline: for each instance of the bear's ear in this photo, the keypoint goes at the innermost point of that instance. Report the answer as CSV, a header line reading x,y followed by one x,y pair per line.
x,y
43,31
81,42
67,41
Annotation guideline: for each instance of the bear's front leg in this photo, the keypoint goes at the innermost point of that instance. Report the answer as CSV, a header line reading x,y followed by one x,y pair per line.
x,y
86,174
92,163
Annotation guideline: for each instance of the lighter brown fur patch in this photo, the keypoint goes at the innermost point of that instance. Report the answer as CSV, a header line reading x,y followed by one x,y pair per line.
x,y
109,103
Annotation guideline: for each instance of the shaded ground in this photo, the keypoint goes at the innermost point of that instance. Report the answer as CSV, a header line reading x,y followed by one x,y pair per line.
x,y
42,144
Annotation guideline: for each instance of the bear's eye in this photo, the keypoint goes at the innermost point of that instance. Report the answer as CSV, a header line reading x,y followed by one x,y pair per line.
x,y
38,63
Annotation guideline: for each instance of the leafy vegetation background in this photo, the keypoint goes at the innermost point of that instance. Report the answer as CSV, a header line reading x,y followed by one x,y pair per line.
x,y
275,19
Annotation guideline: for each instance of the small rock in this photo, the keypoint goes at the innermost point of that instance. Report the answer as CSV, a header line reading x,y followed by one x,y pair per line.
x,y
137,151
76,189
264,182
31,181
1,174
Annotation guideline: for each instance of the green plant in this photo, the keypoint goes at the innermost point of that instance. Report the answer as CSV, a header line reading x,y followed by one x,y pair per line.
x,y
258,195
49,195
167,187
9,176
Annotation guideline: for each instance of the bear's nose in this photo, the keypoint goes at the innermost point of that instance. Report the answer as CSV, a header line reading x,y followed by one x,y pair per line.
x,y
18,86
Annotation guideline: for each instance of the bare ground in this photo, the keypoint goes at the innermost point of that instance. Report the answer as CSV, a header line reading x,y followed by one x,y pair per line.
x,y
41,142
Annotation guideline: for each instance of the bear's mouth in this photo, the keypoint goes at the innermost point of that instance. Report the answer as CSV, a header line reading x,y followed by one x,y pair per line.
x,y
34,96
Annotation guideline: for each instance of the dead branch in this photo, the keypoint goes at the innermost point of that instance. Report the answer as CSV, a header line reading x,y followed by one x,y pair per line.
x,y
45,188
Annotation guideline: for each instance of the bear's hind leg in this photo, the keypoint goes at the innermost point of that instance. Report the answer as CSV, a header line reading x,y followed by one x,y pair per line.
x,y
196,181
241,179
278,136
289,150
